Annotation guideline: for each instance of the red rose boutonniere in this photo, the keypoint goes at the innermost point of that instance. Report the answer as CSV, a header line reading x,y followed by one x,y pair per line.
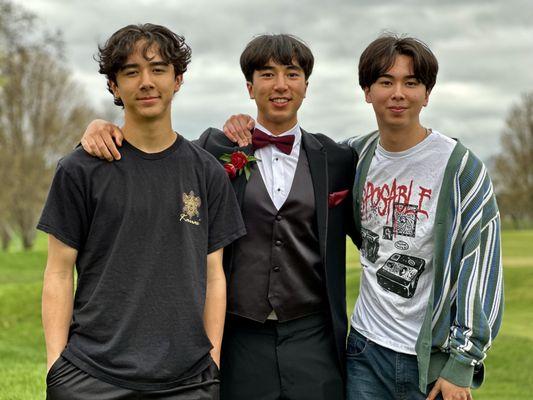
x,y
236,163
230,170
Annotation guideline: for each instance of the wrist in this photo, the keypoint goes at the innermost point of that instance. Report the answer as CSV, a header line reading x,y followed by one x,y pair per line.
x,y
457,372
215,355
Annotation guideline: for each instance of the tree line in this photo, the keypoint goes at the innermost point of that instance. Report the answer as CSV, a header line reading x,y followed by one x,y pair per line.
x,y
42,112
513,166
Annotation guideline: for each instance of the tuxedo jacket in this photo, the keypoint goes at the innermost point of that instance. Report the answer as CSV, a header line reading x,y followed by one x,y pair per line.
x,y
332,168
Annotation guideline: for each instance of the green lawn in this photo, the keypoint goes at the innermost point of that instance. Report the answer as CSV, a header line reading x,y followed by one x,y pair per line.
x,y
22,355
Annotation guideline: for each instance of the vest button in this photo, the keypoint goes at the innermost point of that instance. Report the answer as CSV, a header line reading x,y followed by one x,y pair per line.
x,y
278,217
275,269
278,243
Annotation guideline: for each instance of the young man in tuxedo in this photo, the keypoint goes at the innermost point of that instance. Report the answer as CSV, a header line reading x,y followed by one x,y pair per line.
x,y
146,235
286,321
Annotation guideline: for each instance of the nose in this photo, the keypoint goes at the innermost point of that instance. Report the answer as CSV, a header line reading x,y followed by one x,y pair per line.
x,y
280,84
398,91
146,80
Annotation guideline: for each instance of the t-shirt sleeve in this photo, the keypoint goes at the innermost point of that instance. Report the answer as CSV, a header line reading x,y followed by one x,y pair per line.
x,y
225,217
65,213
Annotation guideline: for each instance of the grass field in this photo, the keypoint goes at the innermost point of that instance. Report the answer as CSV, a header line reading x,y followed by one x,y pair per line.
x,y
509,366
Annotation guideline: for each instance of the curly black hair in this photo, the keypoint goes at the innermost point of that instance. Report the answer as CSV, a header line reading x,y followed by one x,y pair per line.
x,y
116,50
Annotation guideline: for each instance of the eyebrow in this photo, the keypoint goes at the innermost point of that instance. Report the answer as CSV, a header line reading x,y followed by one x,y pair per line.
x,y
292,66
289,66
152,64
392,77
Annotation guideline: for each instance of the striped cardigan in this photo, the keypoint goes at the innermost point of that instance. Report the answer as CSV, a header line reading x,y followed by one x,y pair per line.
x,y
465,307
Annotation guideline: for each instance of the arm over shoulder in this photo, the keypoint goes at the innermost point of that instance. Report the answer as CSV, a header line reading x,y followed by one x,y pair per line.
x,y
215,142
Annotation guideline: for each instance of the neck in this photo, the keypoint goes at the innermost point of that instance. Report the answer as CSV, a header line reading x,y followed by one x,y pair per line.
x,y
277,128
148,135
401,139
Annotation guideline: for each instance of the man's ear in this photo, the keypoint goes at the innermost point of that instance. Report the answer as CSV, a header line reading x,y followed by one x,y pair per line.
x,y
178,82
250,88
426,101
306,86
368,98
114,88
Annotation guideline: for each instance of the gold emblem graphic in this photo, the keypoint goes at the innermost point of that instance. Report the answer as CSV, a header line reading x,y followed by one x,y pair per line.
x,y
191,204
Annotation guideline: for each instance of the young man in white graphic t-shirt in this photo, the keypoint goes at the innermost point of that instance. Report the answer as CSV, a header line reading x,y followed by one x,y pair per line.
x,y
431,287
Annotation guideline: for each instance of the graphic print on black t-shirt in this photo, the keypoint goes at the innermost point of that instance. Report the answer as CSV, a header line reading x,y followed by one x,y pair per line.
x,y
190,212
393,204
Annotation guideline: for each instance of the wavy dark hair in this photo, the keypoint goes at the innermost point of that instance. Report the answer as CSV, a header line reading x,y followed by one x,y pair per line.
x,y
116,50
381,54
281,48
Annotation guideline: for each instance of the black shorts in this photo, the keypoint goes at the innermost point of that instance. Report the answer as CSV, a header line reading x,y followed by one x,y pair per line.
x,y
65,381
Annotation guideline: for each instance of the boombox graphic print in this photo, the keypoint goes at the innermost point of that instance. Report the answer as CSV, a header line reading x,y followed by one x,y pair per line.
x,y
400,274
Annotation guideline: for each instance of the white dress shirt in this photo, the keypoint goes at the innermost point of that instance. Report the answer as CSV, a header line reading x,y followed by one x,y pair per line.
x,y
277,168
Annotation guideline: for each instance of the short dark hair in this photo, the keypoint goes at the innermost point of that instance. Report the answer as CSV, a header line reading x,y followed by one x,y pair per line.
x,y
381,54
114,53
281,48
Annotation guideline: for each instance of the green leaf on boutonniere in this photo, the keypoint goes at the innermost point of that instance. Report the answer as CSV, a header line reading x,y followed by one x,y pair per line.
x,y
225,157
247,171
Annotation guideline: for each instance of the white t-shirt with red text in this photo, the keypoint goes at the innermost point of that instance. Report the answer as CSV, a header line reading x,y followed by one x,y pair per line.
x,y
397,219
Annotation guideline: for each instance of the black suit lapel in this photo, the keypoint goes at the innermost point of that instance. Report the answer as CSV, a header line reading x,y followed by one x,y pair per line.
x,y
318,167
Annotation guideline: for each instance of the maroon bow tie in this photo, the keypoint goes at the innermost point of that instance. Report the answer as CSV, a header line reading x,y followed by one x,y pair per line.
x,y
283,143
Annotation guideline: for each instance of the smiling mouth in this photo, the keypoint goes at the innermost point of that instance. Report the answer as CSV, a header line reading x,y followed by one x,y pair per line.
x,y
280,101
397,109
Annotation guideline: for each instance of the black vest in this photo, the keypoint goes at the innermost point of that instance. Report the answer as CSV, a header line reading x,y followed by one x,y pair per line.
x,y
277,265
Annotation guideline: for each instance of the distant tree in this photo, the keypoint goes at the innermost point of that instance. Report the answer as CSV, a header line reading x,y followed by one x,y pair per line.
x,y
42,113
6,232
11,18
513,175
15,24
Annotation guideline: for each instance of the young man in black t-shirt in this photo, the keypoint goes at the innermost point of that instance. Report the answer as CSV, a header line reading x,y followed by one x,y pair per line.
x,y
146,235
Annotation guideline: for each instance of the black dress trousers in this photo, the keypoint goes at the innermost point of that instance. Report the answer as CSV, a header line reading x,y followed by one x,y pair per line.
x,y
294,360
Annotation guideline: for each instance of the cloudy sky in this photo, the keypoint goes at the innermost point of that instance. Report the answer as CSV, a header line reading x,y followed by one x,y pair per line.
x,y
485,52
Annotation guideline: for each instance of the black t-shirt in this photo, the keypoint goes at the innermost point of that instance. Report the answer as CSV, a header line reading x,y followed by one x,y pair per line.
x,y
143,227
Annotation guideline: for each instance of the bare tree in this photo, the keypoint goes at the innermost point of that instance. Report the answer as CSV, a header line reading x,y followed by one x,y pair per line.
x,y
514,166
6,232
13,22
42,112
